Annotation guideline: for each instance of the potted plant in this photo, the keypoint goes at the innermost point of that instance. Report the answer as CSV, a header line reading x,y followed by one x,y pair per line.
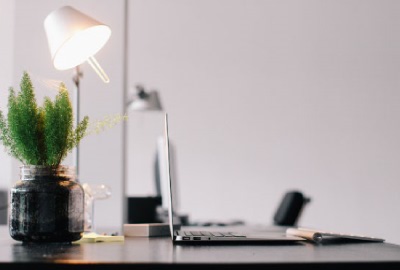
x,y
47,203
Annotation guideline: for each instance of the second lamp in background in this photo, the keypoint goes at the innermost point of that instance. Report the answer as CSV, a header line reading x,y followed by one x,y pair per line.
x,y
144,100
144,126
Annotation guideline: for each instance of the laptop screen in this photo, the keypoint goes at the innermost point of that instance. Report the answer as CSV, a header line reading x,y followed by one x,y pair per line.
x,y
171,215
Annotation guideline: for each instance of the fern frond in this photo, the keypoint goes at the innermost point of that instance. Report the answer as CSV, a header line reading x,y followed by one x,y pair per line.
x,y
23,121
78,133
107,123
58,126
6,139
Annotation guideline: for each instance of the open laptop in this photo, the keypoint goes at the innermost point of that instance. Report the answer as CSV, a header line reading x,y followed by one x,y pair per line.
x,y
197,236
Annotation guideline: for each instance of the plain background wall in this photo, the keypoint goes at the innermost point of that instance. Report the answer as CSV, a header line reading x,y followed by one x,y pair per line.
x,y
269,96
6,78
263,97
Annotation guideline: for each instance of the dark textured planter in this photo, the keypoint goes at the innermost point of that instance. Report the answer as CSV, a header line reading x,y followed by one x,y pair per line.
x,y
47,205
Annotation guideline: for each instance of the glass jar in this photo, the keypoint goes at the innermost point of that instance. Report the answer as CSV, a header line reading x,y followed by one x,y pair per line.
x,y
46,205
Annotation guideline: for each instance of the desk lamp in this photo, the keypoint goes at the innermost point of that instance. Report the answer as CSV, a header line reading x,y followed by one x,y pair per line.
x,y
74,38
144,100
141,209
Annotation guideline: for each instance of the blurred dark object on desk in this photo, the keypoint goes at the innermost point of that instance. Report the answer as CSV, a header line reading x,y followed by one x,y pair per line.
x,y
290,208
143,209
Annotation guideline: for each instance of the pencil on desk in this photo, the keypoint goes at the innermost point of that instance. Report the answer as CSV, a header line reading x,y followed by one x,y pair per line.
x,y
309,235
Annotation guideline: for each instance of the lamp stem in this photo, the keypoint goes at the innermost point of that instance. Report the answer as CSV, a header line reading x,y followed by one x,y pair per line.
x,y
76,79
99,70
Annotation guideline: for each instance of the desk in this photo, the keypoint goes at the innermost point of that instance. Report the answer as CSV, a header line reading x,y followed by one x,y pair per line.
x,y
159,253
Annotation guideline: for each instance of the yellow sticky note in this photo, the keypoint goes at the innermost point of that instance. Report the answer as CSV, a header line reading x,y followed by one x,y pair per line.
x,y
94,237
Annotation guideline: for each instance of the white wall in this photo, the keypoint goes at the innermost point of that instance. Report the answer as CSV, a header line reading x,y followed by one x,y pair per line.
x,y
267,96
6,78
100,155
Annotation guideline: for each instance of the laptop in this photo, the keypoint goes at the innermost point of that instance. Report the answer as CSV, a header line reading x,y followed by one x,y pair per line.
x,y
205,236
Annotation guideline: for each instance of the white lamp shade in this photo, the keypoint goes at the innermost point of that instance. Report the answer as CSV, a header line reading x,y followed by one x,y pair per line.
x,y
73,37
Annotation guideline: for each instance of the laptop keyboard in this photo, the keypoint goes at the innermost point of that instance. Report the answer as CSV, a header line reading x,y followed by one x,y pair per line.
x,y
214,234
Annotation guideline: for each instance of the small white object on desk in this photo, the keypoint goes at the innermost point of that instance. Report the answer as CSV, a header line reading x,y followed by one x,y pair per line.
x,y
147,229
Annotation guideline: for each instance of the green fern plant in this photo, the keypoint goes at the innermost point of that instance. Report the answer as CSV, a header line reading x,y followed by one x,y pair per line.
x,y
40,135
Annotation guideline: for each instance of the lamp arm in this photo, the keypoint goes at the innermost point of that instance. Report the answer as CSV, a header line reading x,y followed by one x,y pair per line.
x,y
98,69
76,79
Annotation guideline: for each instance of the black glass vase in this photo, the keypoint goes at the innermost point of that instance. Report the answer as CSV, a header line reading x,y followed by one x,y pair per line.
x,y
47,205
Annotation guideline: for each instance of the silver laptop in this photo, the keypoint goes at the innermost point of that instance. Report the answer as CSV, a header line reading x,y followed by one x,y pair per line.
x,y
206,236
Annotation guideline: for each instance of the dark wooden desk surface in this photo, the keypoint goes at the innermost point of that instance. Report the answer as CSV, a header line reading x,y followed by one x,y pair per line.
x,y
150,253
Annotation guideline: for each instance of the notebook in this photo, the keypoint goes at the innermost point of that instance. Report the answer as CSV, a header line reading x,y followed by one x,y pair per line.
x,y
200,235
